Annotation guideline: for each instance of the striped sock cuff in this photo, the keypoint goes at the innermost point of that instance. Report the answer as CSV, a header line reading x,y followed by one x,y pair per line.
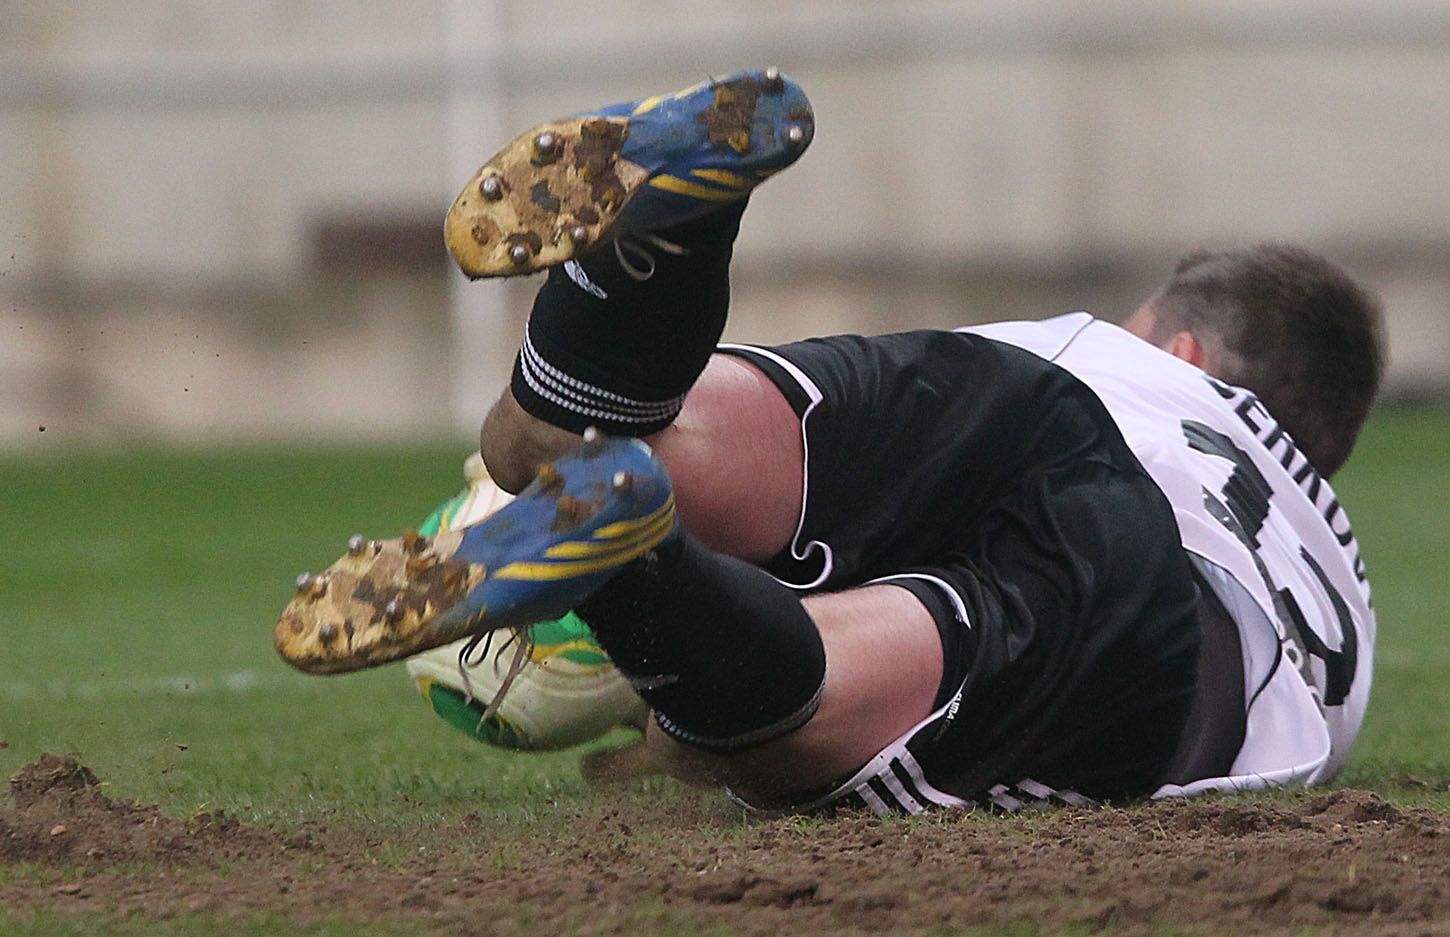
x,y
547,392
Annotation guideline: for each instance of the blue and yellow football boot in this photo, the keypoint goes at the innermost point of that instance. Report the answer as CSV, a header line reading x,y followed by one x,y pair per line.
x,y
565,692
578,523
570,185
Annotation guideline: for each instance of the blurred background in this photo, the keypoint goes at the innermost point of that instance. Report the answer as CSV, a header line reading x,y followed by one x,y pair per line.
x,y
222,221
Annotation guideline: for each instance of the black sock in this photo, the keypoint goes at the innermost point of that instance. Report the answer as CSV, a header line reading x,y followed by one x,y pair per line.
x,y
605,348
726,656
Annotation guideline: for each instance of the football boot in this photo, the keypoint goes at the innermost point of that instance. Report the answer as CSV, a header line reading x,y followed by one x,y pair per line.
x,y
570,185
564,693
584,517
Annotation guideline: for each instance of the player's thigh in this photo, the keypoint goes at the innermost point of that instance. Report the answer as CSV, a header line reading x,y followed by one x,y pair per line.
x,y
883,674
736,457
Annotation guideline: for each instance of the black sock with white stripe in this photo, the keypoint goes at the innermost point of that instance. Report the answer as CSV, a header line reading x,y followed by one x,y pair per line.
x,y
617,338
726,656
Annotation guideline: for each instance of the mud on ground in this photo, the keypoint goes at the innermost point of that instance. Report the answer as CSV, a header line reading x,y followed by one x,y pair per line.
x,y
1343,862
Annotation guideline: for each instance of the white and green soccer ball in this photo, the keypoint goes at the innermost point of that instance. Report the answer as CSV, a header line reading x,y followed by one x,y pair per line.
x,y
567,692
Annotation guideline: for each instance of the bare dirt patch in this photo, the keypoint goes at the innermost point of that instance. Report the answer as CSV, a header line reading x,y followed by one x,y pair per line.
x,y
62,818
1342,862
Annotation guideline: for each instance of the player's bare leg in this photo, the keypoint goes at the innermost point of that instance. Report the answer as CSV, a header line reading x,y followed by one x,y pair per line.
x,y
883,664
735,454
748,664
601,184
514,444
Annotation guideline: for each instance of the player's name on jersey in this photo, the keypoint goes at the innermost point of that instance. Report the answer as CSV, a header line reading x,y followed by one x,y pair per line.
x,y
1279,444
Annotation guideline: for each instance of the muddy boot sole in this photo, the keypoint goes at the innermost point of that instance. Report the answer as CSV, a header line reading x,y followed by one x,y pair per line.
x,y
586,516
569,186
380,601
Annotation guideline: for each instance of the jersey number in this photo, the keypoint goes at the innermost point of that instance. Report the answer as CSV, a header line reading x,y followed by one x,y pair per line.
x,y
1243,509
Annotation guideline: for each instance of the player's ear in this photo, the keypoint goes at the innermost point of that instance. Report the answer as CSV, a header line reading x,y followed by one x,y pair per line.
x,y
1185,346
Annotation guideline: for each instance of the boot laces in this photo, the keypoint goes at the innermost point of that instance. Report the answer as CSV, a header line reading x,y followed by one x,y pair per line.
x,y
631,247
521,639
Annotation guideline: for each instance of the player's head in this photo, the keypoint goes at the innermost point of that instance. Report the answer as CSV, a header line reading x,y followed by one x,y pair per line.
x,y
1285,323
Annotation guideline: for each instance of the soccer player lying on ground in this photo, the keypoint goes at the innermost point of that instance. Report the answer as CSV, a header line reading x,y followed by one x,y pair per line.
x,y
1030,560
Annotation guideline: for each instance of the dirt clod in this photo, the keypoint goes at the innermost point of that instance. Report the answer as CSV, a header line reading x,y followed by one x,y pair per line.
x,y
60,815
542,197
570,512
729,117
595,156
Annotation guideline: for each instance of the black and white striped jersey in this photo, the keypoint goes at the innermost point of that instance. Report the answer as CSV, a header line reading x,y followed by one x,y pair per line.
x,y
1264,529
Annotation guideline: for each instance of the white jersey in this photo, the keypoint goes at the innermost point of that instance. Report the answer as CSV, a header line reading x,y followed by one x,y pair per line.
x,y
1262,527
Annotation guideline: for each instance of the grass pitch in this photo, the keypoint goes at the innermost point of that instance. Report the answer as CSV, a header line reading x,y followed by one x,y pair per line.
x,y
1397,489
140,587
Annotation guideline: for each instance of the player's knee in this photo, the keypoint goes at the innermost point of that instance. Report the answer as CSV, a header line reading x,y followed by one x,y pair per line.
x,y
514,444
504,467
680,761
767,775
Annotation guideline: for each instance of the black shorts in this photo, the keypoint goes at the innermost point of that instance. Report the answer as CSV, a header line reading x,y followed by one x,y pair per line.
x,y
996,487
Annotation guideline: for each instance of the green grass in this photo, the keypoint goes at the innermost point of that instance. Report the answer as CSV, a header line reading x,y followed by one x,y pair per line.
x,y
141,588
141,585
1396,489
